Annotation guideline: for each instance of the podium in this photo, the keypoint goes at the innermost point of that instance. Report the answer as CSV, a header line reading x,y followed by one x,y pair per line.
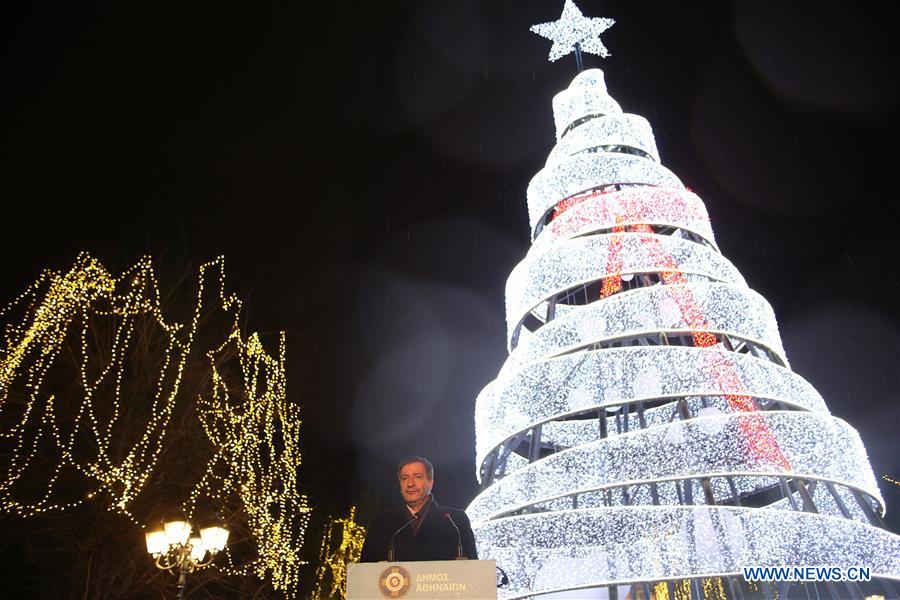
x,y
417,580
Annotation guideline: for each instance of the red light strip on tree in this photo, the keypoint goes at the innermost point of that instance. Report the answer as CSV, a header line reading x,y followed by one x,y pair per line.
x,y
756,431
613,282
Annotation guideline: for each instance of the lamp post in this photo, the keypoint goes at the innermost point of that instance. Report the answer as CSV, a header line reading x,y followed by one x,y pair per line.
x,y
174,549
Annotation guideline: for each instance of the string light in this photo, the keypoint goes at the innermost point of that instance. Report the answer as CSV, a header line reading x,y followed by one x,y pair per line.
x,y
654,402
714,589
253,429
258,460
341,545
661,591
56,306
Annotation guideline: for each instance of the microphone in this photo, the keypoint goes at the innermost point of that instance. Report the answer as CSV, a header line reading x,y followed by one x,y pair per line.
x,y
459,554
415,518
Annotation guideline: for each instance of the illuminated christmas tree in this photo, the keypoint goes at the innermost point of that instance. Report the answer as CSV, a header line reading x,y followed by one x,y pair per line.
x,y
646,435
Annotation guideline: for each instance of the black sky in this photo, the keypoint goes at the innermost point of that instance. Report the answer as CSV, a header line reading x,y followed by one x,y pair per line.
x,y
363,168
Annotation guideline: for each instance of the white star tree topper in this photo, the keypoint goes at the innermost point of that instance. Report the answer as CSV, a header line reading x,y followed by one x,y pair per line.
x,y
573,31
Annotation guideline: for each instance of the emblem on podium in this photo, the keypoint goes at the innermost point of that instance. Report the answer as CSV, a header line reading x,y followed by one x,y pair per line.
x,y
394,582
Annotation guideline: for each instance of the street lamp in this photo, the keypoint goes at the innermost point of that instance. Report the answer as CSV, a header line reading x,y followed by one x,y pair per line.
x,y
177,552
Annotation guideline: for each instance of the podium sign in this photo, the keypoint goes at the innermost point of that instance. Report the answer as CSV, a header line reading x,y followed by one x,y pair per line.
x,y
435,579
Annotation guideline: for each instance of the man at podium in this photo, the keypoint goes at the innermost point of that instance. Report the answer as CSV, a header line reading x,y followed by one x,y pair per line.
x,y
420,528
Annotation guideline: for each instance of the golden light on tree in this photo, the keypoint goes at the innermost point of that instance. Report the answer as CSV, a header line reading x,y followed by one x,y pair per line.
x,y
342,544
95,409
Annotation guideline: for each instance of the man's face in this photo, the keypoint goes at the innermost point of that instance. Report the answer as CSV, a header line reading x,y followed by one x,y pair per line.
x,y
414,484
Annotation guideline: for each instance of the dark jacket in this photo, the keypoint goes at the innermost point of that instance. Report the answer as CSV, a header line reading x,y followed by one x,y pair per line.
x,y
436,538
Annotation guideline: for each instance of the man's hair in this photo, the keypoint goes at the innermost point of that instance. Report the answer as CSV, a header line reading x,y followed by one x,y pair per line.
x,y
429,468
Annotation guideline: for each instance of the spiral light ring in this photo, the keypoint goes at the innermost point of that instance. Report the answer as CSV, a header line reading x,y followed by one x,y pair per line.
x,y
596,212
572,263
584,172
587,381
653,543
626,130
737,312
678,449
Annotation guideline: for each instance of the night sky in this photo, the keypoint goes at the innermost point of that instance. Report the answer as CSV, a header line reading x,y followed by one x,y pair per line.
x,y
363,169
